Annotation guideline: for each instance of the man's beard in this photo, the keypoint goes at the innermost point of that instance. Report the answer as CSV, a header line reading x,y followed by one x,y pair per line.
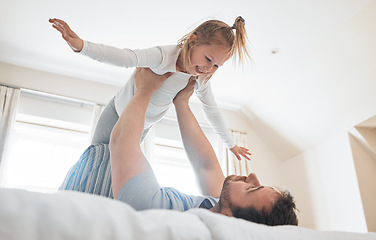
x,y
224,199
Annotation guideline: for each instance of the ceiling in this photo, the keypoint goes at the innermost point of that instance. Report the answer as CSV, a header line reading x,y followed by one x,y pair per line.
x,y
290,112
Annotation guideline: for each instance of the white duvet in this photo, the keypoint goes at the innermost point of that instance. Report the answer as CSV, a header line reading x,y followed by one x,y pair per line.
x,y
74,215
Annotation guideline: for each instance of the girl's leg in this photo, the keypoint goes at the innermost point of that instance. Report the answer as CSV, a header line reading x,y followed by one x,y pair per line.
x,y
106,123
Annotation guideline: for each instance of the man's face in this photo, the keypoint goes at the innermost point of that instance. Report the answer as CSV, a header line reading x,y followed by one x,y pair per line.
x,y
241,191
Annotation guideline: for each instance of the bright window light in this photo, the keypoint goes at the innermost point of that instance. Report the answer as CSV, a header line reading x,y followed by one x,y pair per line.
x,y
48,137
172,168
40,155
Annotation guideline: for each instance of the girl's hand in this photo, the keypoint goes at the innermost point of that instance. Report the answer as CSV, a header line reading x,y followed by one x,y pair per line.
x,y
74,41
240,151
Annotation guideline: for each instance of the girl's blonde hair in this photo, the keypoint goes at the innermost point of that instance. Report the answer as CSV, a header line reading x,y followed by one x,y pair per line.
x,y
219,33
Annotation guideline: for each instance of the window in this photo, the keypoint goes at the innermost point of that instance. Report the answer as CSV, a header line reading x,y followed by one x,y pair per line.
x,y
51,133
172,167
169,160
49,136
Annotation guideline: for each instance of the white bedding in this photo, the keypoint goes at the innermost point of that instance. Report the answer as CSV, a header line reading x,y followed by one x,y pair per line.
x,y
74,215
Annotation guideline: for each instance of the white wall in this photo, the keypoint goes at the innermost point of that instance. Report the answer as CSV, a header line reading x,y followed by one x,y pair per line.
x,y
56,84
364,154
324,178
331,88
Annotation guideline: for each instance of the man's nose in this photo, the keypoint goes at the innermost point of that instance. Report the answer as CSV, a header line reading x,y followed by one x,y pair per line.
x,y
252,178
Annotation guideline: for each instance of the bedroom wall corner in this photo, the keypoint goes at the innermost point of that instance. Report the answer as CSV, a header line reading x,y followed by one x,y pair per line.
x,y
328,197
364,154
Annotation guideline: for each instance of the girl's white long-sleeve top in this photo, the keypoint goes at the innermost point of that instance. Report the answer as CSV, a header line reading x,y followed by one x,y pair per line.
x,y
161,59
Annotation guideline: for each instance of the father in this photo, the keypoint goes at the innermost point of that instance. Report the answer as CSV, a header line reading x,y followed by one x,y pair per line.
x,y
133,180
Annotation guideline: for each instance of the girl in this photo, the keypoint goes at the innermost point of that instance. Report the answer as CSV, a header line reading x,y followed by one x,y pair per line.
x,y
198,54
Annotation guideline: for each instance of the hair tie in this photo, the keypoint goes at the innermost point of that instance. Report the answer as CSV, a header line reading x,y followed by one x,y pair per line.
x,y
240,19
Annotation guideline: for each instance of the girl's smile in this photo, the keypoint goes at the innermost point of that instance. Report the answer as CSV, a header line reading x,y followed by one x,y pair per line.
x,y
206,59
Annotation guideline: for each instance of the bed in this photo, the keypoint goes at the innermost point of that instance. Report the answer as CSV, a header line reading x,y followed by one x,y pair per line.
x,y
75,215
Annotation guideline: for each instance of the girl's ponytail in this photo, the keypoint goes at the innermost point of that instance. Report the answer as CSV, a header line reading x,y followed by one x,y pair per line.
x,y
218,32
239,48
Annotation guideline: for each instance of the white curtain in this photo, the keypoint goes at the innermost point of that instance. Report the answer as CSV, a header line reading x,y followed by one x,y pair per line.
x,y
8,104
230,164
97,111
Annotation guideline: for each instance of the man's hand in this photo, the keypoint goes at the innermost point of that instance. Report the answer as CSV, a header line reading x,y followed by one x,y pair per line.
x,y
184,95
74,41
148,81
240,151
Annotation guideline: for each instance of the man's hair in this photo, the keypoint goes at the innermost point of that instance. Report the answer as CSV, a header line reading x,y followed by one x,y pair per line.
x,y
283,212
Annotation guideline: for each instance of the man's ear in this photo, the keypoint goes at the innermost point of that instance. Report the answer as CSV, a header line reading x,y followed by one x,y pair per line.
x,y
227,212
192,39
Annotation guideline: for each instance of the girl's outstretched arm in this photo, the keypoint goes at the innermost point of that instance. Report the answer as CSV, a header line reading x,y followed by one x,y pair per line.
x,y
74,41
215,118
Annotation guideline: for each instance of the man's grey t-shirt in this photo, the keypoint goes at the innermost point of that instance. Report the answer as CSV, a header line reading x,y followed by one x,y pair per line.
x,y
143,192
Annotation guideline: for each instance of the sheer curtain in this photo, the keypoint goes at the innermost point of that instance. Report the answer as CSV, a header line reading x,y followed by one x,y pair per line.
x,y
97,111
8,104
230,164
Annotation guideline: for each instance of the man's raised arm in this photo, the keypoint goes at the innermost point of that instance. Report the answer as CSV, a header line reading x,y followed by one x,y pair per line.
x,y
127,159
199,150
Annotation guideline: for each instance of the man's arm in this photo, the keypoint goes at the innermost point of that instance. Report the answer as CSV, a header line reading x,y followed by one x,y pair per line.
x,y
199,150
127,159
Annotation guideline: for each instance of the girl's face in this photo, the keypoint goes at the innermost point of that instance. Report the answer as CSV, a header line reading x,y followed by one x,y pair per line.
x,y
206,59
